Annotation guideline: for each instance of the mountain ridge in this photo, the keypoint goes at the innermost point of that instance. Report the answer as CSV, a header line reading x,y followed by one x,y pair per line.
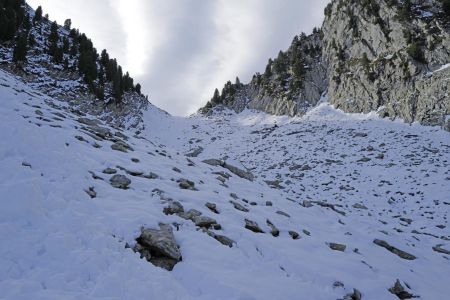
x,y
367,57
63,63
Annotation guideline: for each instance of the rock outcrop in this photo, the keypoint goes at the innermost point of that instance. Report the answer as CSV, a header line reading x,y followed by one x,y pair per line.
x,y
383,56
159,247
388,61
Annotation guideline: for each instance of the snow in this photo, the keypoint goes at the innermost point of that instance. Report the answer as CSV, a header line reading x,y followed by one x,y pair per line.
x,y
443,68
58,243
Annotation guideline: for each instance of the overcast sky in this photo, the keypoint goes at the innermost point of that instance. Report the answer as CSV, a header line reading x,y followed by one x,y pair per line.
x,y
181,50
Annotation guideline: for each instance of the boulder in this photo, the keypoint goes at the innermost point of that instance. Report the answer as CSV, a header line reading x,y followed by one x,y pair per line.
x,y
294,235
438,248
109,171
359,206
159,247
186,184
190,214
89,122
396,251
253,226
233,169
220,238
120,182
205,222
273,230
174,207
356,295
121,146
400,291
239,206
337,247
212,207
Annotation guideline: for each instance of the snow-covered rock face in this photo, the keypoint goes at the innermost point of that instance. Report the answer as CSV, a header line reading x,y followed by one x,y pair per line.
x,y
340,205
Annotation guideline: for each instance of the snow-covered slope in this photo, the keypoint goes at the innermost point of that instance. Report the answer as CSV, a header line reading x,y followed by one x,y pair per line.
x,y
328,177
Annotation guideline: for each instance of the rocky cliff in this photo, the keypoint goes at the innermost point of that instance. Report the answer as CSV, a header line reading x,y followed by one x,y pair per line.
x,y
386,56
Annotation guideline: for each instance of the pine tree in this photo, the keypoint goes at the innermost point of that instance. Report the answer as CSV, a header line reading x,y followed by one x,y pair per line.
x,y
104,58
31,40
68,24
117,92
216,97
53,39
38,15
268,71
66,45
73,50
138,88
20,50
26,22
446,8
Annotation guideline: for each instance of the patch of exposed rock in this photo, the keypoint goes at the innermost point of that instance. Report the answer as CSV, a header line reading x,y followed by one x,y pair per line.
x,y
159,247
396,251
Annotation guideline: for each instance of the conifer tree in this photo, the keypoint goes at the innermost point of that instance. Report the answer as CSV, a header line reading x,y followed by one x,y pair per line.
x,y
68,24
66,45
138,88
37,15
117,92
216,97
20,50
53,39
104,58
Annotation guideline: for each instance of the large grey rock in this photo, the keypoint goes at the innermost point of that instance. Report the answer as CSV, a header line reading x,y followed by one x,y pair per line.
x,y
337,247
174,207
396,251
438,248
120,182
159,247
233,169
239,206
190,214
109,171
186,184
205,222
87,121
273,230
400,291
121,146
220,238
253,226
212,207
356,295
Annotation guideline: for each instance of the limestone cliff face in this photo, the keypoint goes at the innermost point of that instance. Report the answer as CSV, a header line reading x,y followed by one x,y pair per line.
x,y
368,56
381,56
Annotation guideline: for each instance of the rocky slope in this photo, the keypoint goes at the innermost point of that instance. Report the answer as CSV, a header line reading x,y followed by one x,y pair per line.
x,y
368,56
237,206
107,201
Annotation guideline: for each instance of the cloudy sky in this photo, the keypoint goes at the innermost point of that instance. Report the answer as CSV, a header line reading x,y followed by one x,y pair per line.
x,y
181,50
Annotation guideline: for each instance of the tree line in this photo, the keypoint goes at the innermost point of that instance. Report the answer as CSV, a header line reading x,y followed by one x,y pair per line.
x,y
66,46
